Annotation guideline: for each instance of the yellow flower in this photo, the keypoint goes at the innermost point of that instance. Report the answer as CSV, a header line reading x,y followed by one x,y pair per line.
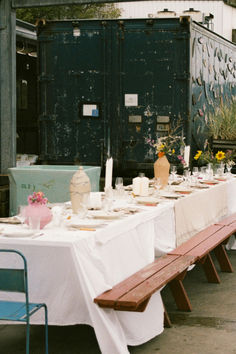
x,y
220,155
198,154
173,151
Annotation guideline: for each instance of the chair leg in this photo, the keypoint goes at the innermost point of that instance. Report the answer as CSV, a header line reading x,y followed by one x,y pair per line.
x,y
27,337
46,329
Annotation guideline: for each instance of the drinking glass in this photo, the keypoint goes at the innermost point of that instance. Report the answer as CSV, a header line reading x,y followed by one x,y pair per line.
x,y
186,176
195,173
119,182
157,185
173,171
34,222
229,168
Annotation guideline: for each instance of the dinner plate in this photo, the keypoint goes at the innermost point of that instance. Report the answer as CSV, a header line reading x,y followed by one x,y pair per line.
x,y
220,179
170,195
200,186
10,220
106,216
183,190
18,233
146,200
209,182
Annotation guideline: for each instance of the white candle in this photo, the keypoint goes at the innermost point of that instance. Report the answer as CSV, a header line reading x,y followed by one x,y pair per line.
x,y
136,185
187,154
144,187
108,175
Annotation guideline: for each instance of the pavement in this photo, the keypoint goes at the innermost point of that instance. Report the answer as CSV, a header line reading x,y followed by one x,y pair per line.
x,y
209,328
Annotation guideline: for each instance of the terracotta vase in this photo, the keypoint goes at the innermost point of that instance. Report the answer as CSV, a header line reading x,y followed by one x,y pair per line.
x,y
80,188
161,170
38,210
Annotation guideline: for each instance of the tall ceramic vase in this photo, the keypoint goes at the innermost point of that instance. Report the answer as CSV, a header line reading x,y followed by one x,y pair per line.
x,y
161,170
80,188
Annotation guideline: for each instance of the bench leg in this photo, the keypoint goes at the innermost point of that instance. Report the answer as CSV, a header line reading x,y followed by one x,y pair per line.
x,y
167,321
210,269
179,293
223,259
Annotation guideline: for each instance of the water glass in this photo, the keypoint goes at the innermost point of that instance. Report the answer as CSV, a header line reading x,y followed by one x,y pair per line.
x,y
118,182
173,171
157,185
34,222
195,176
186,177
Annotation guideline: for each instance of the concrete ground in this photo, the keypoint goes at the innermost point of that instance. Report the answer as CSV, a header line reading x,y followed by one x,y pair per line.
x,y
209,328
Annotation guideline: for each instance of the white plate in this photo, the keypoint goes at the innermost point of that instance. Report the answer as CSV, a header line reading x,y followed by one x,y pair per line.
x,y
183,190
106,216
170,195
18,233
77,222
146,200
209,182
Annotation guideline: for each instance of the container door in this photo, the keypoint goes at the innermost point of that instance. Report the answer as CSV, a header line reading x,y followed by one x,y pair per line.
x,y
72,92
148,87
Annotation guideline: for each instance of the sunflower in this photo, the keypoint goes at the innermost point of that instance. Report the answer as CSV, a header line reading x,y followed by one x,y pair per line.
x,y
220,155
198,154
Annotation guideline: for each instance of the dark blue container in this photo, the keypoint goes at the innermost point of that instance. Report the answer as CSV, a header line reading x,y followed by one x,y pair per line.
x,y
108,86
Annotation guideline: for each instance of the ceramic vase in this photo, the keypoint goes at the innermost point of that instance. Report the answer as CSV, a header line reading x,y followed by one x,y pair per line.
x,y
161,170
40,211
80,188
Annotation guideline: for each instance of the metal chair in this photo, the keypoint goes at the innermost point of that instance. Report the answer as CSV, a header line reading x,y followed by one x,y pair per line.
x,y
16,280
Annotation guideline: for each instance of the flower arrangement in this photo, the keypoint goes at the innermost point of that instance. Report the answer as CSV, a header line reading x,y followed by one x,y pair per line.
x,y
37,198
204,157
171,146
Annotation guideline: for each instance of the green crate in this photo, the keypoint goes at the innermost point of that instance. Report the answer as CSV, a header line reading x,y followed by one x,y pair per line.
x,y
52,180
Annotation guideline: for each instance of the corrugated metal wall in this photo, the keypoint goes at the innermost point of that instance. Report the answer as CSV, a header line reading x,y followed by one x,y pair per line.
x,y
224,16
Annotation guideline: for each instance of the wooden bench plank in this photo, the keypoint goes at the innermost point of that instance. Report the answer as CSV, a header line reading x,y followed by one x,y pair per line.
x,y
196,240
211,242
144,290
109,298
228,220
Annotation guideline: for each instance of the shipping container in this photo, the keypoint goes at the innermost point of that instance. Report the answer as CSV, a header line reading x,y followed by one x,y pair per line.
x,y
106,86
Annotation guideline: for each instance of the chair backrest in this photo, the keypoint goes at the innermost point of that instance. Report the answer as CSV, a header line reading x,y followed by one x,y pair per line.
x,y
14,280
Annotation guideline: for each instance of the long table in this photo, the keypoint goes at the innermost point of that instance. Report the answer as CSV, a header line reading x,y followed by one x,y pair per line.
x,y
68,269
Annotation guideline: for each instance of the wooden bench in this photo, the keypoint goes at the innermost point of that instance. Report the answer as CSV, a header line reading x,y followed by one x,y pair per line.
x,y
213,238
134,293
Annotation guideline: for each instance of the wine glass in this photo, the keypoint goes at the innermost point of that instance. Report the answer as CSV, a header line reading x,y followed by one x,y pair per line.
x,y
228,168
173,171
186,176
119,187
157,185
119,183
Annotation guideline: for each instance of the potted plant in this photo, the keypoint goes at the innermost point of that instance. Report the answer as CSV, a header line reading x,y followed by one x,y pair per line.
x,y
222,126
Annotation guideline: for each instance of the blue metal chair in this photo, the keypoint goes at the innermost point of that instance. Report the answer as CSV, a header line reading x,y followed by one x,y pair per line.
x,y
16,280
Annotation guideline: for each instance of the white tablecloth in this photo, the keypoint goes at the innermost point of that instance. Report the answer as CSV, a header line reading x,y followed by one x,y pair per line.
x,y
68,269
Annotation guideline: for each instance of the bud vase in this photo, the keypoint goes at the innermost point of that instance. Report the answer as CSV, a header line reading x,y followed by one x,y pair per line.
x,y
40,211
161,170
80,188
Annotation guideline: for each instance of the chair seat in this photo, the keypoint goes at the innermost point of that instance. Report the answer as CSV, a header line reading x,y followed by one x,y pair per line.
x,y
16,311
